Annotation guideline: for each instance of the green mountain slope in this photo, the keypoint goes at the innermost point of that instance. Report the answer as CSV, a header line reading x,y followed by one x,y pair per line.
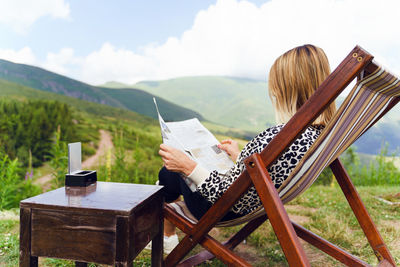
x,y
114,85
14,91
235,102
10,90
136,137
133,99
245,104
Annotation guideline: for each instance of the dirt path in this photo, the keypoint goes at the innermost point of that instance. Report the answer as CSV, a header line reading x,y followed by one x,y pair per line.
x,y
105,144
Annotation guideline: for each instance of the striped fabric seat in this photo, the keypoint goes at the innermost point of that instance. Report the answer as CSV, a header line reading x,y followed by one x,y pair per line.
x,y
367,100
181,209
364,104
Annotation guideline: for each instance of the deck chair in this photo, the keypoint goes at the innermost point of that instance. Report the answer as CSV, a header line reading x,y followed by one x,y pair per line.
x,y
375,93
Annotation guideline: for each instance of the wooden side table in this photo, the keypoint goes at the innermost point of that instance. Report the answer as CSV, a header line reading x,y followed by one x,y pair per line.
x,y
106,223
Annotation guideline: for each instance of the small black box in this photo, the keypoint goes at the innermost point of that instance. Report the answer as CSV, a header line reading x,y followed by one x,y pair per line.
x,y
81,178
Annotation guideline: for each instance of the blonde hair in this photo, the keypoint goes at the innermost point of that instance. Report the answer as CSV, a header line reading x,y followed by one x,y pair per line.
x,y
294,77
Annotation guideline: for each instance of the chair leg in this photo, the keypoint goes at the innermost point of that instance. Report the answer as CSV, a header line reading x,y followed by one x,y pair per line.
x,y
208,221
277,215
361,213
249,228
235,240
216,248
327,247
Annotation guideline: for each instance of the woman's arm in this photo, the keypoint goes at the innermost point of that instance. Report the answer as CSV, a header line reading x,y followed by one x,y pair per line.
x,y
217,183
176,160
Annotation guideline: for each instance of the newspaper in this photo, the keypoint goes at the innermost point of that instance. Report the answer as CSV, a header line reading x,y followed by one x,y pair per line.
x,y
197,142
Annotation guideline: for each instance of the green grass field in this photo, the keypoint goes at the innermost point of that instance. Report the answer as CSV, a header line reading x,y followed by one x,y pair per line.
x,y
322,209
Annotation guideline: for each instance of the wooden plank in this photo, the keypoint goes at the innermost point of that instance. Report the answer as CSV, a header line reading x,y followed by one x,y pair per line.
x,y
249,228
146,224
122,241
223,252
327,247
157,249
102,201
277,215
361,213
235,240
212,216
178,220
83,238
25,258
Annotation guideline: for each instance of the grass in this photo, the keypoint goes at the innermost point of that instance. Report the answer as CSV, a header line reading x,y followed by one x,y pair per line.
x,y
325,211
321,209
9,232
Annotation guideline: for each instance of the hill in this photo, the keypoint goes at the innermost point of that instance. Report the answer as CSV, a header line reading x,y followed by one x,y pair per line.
x,y
244,104
114,85
104,113
132,99
235,102
10,90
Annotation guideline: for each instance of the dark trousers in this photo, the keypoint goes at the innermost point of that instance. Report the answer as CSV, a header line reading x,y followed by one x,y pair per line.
x,y
175,186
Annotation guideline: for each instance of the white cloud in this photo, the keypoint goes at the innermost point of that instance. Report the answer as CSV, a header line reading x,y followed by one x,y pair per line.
x,y
21,14
62,62
238,38
112,64
24,55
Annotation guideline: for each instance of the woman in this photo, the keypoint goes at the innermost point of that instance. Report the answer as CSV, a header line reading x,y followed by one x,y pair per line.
x,y
293,78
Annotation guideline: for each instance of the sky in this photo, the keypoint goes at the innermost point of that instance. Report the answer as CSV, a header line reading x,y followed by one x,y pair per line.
x,y
96,41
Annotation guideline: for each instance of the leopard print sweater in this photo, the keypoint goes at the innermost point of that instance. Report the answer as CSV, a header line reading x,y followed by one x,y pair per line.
x,y
217,183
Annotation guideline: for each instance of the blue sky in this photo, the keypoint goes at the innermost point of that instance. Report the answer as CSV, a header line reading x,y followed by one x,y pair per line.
x,y
91,23
129,41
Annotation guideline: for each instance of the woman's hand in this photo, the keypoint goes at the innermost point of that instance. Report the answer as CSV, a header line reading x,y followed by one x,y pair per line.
x,y
231,147
176,160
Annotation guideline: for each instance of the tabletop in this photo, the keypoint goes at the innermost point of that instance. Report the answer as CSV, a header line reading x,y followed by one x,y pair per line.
x,y
103,197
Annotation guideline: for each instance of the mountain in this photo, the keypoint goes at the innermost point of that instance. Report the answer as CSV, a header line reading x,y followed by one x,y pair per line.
x,y
244,104
132,99
13,91
115,85
235,102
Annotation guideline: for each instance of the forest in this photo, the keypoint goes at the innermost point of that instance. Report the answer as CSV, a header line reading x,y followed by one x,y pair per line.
x,y
27,128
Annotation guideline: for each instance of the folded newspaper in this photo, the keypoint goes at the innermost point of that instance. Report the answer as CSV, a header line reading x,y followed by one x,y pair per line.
x,y
197,142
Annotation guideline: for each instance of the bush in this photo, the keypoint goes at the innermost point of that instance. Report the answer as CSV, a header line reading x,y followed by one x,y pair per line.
x,y
14,188
139,165
59,159
380,171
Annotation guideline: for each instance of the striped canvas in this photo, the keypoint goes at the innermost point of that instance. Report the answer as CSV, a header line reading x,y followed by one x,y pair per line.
x,y
181,208
367,100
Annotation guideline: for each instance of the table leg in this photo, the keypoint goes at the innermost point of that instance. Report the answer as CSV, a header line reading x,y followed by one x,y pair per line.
x,y
25,258
122,242
123,264
80,264
157,248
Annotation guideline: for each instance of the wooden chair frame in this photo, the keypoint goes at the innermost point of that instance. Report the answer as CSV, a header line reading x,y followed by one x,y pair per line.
x,y
356,64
